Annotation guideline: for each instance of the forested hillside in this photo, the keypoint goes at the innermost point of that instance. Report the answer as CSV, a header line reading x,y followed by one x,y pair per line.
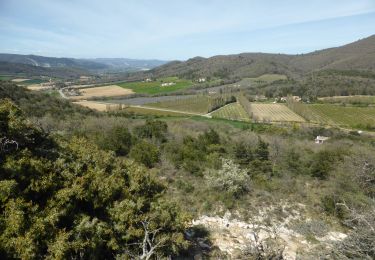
x,y
354,56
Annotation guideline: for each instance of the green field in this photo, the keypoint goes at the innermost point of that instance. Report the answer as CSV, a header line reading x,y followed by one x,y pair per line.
x,y
4,77
343,115
154,87
233,111
355,100
32,81
146,111
199,104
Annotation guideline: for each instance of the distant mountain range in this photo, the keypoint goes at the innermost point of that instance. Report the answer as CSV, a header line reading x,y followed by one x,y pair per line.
x,y
92,65
359,55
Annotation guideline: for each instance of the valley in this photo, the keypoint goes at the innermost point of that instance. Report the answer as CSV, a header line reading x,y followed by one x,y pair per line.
x,y
248,156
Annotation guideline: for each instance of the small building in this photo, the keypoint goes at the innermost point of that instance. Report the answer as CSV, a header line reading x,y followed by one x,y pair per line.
x,y
167,84
321,139
201,80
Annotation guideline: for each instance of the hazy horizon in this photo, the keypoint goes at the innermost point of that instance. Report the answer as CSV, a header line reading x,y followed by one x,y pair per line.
x,y
167,30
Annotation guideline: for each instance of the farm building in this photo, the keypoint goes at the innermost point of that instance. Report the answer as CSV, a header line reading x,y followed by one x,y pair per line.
x,y
321,139
168,84
201,80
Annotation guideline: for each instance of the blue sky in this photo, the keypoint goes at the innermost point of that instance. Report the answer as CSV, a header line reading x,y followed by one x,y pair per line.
x,y
176,29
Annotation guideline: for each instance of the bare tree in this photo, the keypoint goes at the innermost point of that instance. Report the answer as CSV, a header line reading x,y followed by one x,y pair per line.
x,y
360,243
146,249
267,248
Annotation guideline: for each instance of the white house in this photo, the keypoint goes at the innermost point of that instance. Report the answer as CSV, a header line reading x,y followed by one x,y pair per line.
x,y
321,139
201,80
167,84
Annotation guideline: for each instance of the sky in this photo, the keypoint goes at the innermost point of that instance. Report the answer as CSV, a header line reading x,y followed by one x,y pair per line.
x,y
179,29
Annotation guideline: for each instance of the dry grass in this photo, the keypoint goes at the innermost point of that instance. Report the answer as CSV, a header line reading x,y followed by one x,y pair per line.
x,y
19,80
274,113
99,106
36,87
105,91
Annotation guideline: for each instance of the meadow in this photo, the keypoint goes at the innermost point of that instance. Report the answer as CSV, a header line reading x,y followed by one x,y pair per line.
x,y
154,87
233,111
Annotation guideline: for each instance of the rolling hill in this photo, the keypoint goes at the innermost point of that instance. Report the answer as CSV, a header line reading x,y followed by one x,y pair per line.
x,y
93,65
359,55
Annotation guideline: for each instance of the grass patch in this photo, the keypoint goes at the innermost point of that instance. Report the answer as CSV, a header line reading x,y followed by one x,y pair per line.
x,y
32,81
146,111
154,87
4,77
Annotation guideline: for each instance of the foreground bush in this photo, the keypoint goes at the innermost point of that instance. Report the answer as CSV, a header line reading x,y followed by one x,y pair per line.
x,y
72,200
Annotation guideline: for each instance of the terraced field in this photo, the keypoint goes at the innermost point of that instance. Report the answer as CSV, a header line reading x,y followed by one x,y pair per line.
x,y
342,115
154,87
274,113
233,111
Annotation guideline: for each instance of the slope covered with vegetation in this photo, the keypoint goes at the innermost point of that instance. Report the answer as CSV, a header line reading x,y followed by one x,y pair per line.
x,y
97,185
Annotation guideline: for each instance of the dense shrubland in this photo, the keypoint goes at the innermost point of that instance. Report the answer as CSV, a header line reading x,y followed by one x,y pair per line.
x,y
82,178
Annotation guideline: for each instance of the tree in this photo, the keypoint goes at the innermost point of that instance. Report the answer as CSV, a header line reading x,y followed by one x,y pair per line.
x,y
70,200
261,151
243,153
230,178
118,139
145,153
153,129
322,164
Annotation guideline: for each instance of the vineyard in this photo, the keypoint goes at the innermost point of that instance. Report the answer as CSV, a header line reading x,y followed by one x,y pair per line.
x,y
198,104
233,111
274,113
355,100
343,115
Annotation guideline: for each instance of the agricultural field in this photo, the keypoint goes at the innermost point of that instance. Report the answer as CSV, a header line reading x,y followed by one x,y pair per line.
x,y
343,115
19,80
150,111
274,113
4,77
198,104
105,91
33,81
36,87
154,87
233,111
266,78
99,106
355,100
